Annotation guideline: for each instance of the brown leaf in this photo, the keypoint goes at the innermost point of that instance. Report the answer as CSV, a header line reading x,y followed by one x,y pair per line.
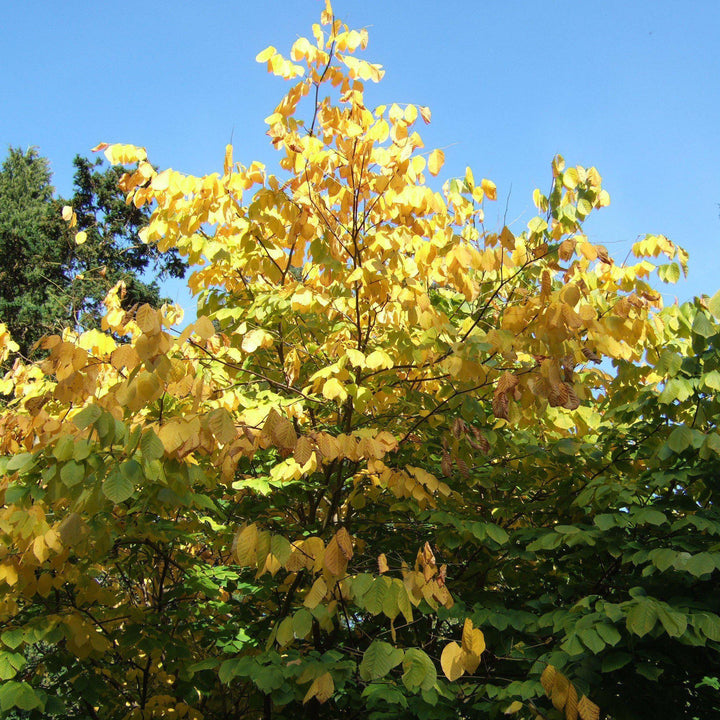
x,y
446,465
303,450
462,466
566,249
591,355
283,434
383,566
458,427
506,382
328,446
572,401
545,284
602,254
556,395
500,405
482,441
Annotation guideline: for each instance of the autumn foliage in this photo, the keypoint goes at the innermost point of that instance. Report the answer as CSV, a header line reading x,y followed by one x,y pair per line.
x,y
387,472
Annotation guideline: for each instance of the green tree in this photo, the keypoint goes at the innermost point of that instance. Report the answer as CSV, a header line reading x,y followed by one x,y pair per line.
x,y
48,281
387,474
33,247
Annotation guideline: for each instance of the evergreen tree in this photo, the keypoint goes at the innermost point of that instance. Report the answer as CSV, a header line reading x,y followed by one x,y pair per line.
x,y
33,246
47,281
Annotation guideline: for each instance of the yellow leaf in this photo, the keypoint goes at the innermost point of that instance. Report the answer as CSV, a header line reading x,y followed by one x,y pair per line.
x,y
436,161
383,566
81,237
451,661
321,689
571,706
68,215
378,359
489,188
204,327
316,594
548,678
245,545
161,181
335,560
425,114
570,178
266,54
148,320
587,709
513,708
255,339
355,357
227,166
473,640
333,390
344,542
560,691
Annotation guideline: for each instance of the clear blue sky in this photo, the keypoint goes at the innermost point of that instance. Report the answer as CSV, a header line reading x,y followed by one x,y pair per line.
x,y
630,87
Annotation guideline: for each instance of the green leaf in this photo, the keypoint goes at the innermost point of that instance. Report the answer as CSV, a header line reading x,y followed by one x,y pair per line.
x,y
703,326
117,488
10,663
608,633
615,661
708,624
591,640
72,473
680,438
663,558
87,416
379,659
649,516
572,645
151,446
669,273
64,448
22,462
13,638
19,695
711,380
642,618
280,547
375,596
675,623
285,632
419,670
604,521
498,534
302,623
132,470
651,672
714,304
700,564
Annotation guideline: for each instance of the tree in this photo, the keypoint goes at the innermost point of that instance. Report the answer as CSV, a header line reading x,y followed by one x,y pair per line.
x,y
32,247
50,281
387,472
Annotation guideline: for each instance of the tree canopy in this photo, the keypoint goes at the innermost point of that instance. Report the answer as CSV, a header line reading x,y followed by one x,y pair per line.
x,y
402,465
49,280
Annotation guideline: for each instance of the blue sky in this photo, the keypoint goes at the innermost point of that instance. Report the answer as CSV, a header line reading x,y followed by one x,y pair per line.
x,y
630,87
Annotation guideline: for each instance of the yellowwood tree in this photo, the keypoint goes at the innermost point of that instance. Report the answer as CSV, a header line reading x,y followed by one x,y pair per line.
x,y
331,494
